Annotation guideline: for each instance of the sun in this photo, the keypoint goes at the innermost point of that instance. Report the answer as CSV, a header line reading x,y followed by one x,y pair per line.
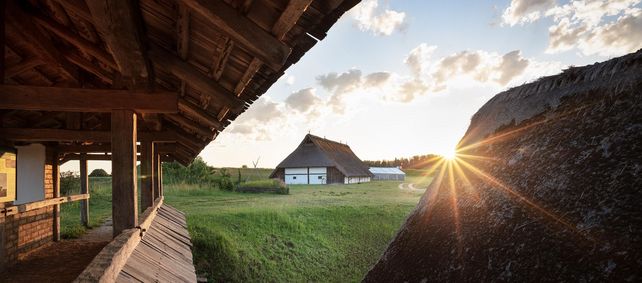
x,y
449,154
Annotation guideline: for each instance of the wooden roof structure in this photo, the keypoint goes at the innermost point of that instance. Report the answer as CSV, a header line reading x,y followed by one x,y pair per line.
x,y
187,67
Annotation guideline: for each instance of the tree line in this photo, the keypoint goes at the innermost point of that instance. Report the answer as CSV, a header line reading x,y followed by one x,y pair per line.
x,y
415,162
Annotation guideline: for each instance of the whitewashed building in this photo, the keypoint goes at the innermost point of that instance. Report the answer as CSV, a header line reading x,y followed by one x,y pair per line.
x,y
387,173
321,161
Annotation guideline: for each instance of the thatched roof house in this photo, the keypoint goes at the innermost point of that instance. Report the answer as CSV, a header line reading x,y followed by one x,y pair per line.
x,y
322,161
546,188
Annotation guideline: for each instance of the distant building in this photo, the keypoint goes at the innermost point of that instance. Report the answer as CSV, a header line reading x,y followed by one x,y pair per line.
x,y
387,173
321,161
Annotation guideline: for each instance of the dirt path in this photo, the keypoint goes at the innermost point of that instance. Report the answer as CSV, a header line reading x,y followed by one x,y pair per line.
x,y
410,187
60,261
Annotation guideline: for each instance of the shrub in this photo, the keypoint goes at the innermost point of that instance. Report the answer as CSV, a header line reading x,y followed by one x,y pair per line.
x,y
69,183
98,173
224,181
260,186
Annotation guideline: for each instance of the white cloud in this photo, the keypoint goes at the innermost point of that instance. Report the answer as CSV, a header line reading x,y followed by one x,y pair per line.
x,y
289,80
377,79
525,11
465,69
378,21
252,123
303,100
594,27
418,57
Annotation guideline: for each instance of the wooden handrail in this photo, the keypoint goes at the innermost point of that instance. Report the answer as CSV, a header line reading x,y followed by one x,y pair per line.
x,y
106,266
11,210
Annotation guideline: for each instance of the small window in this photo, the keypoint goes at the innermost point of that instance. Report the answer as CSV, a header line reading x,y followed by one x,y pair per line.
x,y
320,177
294,178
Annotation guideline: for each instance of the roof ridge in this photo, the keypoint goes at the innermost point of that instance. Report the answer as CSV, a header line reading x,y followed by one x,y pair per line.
x,y
327,140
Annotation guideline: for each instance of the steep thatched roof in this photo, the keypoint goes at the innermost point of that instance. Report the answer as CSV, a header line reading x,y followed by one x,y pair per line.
x,y
547,188
319,152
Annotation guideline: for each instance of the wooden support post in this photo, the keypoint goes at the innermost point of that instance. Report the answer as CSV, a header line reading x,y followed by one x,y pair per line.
x,y
84,189
146,174
124,179
157,179
55,171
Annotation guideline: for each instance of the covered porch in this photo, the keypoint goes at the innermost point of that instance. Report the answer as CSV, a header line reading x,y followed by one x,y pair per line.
x,y
137,83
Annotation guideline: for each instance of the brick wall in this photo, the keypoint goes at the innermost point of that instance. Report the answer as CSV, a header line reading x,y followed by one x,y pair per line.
x,y
24,232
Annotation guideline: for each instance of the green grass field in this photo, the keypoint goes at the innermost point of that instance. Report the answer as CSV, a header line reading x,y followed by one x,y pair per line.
x,y
331,233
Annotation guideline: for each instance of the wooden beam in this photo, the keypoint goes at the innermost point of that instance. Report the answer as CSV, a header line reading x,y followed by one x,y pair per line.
x,y
55,172
182,31
124,177
42,46
62,135
190,125
85,100
249,35
195,78
118,22
2,61
106,148
24,65
88,66
199,114
289,17
146,174
76,40
84,189
35,135
220,59
157,178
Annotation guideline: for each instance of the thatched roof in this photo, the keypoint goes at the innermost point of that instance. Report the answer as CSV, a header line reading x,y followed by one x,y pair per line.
x,y
546,188
218,56
319,152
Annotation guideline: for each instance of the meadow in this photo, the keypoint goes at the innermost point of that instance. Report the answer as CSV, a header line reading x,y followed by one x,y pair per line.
x,y
331,233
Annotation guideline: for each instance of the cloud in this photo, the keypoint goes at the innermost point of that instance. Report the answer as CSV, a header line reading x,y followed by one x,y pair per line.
x,y
594,27
512,65
303,100
377,79
464,68
340,83
382,22
251,124
418,57
525,11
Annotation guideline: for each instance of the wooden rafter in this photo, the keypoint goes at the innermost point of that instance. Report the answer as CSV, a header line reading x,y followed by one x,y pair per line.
x,y
85,100
198,114
220,59
24,65
76,40
190,125
38,42
195,78
117,22
89,67
245,32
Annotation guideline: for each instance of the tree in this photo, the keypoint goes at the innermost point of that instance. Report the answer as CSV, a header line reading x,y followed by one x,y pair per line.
x,y
98,173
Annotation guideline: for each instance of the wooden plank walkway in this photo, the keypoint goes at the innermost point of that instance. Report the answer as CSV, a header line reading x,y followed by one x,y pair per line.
x,y
164,254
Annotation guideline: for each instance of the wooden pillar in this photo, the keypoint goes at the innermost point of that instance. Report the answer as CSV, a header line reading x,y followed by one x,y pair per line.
x,y
147,174
157,174
55,172
84,189
160,177
123,168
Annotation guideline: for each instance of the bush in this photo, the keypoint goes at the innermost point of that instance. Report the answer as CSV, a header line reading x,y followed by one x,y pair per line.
x,y
98,173
69,183
224,181
260,186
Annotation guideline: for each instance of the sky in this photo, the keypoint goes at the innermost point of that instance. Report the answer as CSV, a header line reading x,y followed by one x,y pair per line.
x,y
399,78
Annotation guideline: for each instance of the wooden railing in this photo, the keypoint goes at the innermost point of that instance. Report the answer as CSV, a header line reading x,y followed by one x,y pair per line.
x,y
106,266
11,210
